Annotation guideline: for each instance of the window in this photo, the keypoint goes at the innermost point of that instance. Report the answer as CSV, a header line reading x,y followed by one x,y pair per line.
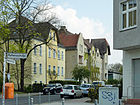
x,y
50,35
54,71
58,55
128,14
40,68
62,55
62,72
35,82
54,36
49,52
54,53
81,59
40,50
34,68
49,70
58,71
81,48
35,49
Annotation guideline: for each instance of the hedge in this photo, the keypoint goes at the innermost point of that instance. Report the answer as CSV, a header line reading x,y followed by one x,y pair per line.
x,y
63,82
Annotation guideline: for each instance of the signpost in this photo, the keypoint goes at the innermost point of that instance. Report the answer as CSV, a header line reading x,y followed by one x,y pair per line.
x,y
8,57
17,55
11,61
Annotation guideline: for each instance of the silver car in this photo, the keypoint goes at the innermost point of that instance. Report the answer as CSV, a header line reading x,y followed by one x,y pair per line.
x,y
71,90
85,88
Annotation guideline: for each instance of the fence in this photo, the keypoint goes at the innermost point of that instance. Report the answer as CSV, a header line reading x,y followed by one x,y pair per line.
x,y
31,99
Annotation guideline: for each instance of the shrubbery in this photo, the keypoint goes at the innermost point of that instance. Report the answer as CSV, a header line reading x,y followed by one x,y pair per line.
x,y
63,82
36,87
94,93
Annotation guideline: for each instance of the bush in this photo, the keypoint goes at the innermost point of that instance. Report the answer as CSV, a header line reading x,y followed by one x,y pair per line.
x,y
63,82
93,93
28,89
113,82
38,87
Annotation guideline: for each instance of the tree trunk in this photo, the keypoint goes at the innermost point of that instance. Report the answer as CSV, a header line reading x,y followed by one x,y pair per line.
x,y
22,62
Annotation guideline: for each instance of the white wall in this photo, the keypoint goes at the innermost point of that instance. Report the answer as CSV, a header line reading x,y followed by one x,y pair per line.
x,y
128,79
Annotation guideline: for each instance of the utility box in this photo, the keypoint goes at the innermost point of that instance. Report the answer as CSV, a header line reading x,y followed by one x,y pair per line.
x,y
9,90
108,96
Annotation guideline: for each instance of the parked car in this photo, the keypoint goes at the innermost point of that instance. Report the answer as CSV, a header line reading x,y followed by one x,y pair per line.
x,y
71,90
52,88
98,83
85,88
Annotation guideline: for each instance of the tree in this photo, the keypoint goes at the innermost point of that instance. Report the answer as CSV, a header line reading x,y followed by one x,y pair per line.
x,y
80,72
115,67
52,75
25,27
91,64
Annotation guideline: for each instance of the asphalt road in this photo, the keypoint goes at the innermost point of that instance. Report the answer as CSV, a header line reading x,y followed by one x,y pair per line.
x,y
24,100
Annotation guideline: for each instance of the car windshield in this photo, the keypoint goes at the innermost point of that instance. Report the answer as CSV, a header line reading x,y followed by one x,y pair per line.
x,y
85,86
67,87
50,85
97,83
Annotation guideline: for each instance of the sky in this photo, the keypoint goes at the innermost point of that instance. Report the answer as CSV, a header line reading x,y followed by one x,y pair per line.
x,y
92,18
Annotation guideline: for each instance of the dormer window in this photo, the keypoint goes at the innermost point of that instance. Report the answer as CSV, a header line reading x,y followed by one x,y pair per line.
x,y
128,14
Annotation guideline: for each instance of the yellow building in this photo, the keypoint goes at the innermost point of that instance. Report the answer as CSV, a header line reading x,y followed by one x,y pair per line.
x,y
61,62
38,63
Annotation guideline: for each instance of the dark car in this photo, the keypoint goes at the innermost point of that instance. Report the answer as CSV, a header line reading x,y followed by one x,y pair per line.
x,y
52,88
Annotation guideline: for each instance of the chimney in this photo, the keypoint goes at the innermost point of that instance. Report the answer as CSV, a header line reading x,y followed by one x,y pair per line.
x,y
63,29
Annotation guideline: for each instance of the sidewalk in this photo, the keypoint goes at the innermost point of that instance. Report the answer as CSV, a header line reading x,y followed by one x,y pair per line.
x,y
81,101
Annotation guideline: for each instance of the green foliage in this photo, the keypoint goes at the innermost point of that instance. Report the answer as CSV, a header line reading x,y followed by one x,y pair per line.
x,y
94,73
63,82
93,93
80,72
52,75
114,82
36,87
28,89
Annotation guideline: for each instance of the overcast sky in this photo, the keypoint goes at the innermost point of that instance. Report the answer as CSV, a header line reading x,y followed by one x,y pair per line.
x,y
93,18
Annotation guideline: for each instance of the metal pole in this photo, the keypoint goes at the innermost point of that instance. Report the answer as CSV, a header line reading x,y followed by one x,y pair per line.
x,y
4,66
29,101
95,101
16,99
49,97
32,101
39,98
63,100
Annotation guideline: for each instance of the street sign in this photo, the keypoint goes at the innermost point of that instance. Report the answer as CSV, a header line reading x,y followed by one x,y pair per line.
x,y
11,61
17,55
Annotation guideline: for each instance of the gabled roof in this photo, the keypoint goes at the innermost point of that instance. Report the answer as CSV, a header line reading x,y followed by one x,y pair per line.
x,y
68,39
87,43
102,45
43,28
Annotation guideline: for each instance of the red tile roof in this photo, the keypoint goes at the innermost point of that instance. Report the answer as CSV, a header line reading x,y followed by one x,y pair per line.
x,y
68,40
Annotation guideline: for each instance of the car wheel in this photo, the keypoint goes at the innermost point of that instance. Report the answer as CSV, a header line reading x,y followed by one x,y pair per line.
x,y
54,92
74,96
44,93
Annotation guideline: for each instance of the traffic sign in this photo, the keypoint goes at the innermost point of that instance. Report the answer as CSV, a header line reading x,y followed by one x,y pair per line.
x,y
11,61
17,55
